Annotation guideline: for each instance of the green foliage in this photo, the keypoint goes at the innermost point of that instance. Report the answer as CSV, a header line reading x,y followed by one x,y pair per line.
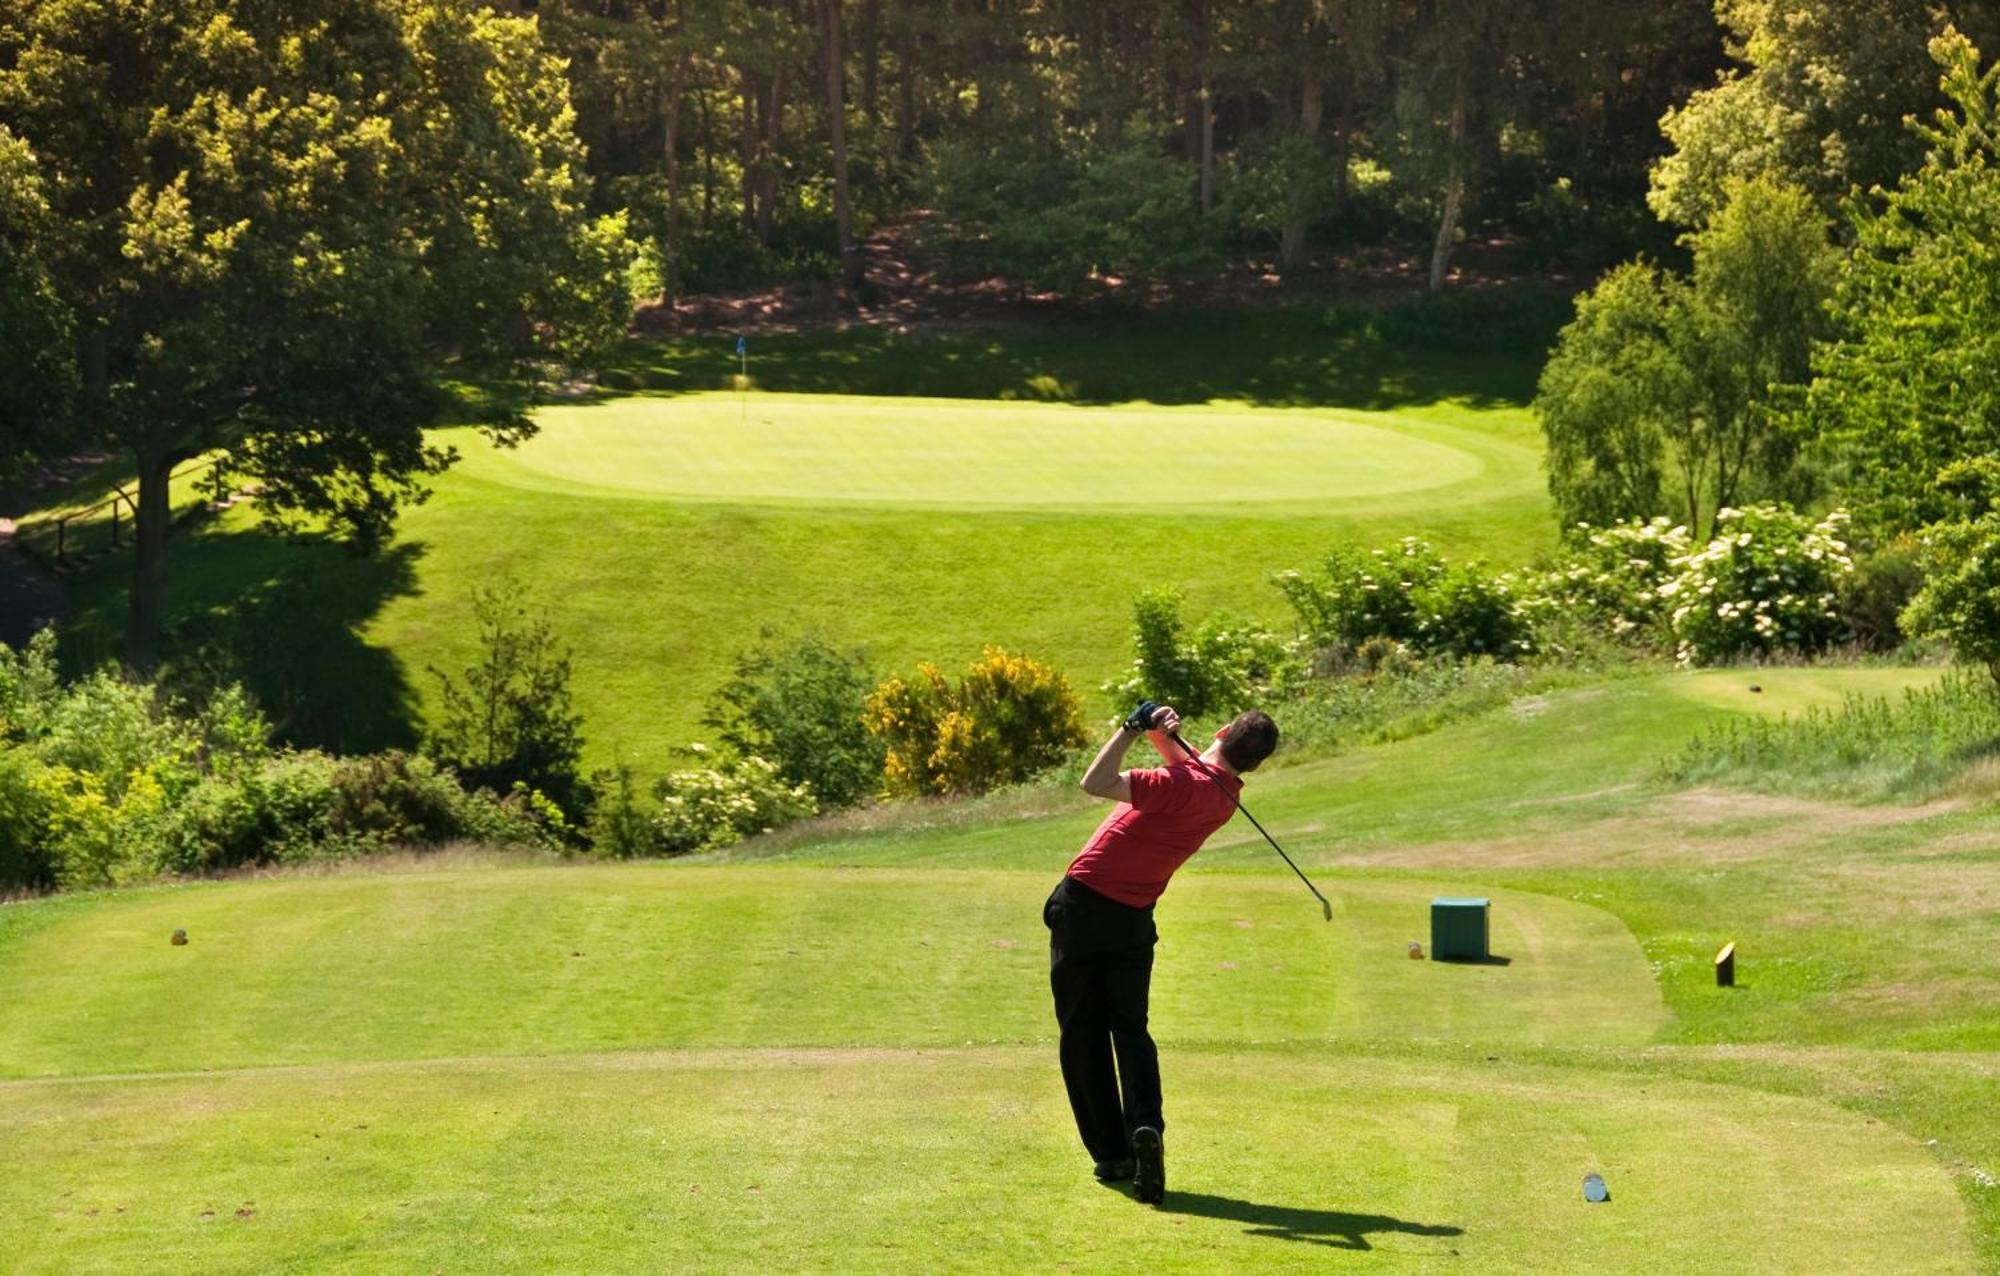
x,y
1960,597
1868,747
620,826
393,799
282,227
800,706
1068,213
1912,382
1817,103
1008,719
36,327
1670,395
25,863
1875,594
1396,698
508,718
1614,577
1409,593
1224,668
1768,581
708,807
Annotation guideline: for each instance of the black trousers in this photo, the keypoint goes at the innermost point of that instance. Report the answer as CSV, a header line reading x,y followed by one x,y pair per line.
x,y
1100,969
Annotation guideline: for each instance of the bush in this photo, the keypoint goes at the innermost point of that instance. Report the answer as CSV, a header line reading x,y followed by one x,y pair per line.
x,y
404,799
1960,599
1008,719
800,707
24,815
620,824
1221,670
1769,581
1411,594
705,808
1614,575
1873,597
281,811
508,718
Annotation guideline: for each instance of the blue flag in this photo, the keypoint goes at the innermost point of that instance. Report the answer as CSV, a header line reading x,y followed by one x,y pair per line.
x,y
742,346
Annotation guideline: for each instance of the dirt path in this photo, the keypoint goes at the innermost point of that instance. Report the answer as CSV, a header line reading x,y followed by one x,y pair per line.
x,y
30,598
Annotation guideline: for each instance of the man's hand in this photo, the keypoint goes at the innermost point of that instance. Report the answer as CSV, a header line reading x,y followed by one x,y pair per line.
x,y
1153,717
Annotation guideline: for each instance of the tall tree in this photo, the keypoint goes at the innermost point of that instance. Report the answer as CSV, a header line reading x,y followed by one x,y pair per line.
x,y
283,225
37,337
836,125
1912,384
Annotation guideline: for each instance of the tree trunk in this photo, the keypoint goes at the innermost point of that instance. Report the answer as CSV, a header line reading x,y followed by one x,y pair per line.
x,y
906,82
767,155
149,578
1292,237
673,164
1207,143
748,147
836,118
871,60
1454,184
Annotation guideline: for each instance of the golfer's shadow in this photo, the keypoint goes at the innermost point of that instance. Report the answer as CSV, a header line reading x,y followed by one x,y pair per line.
x,y
1316,1227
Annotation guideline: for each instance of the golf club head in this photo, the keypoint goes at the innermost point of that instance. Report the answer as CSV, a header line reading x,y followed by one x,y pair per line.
x,y
1326,908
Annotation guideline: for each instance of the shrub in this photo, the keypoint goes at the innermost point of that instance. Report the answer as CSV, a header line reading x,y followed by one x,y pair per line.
x,y
1411,594
705,808
620,824
800,707
24,858
1873,597
279,811
508,718
1613,575
1223,668
1008,719
1960,599
1768,581
406,799
99,838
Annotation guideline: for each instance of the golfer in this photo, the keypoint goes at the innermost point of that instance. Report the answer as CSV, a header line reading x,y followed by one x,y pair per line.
x,y
1101,933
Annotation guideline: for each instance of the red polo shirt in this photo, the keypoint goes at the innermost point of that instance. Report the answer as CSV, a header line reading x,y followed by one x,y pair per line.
x,y
1140,844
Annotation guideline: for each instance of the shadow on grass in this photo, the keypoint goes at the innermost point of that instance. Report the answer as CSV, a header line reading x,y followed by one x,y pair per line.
x,y
1484,349
1491,959
281,616
1334,1228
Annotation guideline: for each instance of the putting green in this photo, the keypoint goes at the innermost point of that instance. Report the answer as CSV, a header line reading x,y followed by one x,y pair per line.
x,y
835,450
430,964
952,1160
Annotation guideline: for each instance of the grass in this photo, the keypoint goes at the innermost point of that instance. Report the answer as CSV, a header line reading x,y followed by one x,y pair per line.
x,y
665,531
626,1067
896,1160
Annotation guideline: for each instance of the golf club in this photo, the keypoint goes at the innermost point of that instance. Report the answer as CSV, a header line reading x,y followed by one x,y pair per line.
x,y
1325,908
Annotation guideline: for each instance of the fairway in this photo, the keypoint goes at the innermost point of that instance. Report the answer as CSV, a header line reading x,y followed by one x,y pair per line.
x,y
955,453
949,1160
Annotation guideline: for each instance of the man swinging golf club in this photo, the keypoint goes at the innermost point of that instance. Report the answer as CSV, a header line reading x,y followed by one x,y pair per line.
x,y
1101,933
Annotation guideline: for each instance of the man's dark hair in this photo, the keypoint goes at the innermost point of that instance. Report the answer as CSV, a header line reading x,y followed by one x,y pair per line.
x,y
1250,739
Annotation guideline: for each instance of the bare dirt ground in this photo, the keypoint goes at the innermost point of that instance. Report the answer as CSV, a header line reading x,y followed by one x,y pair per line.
x,y
904,290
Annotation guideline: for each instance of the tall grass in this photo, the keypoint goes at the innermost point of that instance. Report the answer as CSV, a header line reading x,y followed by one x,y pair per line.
x,y
1869,747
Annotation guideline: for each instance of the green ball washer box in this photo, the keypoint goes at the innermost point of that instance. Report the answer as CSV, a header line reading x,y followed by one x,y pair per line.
x,y
1458,929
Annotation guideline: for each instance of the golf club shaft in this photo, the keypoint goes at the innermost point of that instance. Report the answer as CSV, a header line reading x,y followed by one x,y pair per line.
x,y
1326,907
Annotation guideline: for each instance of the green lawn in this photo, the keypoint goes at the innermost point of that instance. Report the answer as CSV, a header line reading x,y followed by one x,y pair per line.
x,y
667,530
836,1044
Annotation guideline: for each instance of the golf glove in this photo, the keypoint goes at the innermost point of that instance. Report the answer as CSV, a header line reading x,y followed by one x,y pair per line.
x,y
1141,718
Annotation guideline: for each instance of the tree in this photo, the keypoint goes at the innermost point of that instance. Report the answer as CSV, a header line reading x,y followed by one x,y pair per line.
x,y
1911,385
1609,396
800,706
1691,378
1818,100
836,124
37,376
281,227
508,718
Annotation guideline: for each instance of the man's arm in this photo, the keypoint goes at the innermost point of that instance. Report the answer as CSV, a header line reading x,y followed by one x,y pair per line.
x,y
1104,779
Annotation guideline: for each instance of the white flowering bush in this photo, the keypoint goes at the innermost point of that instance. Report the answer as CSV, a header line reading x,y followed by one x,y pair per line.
x,y
1613,576
1769,580
703,808
1411,594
